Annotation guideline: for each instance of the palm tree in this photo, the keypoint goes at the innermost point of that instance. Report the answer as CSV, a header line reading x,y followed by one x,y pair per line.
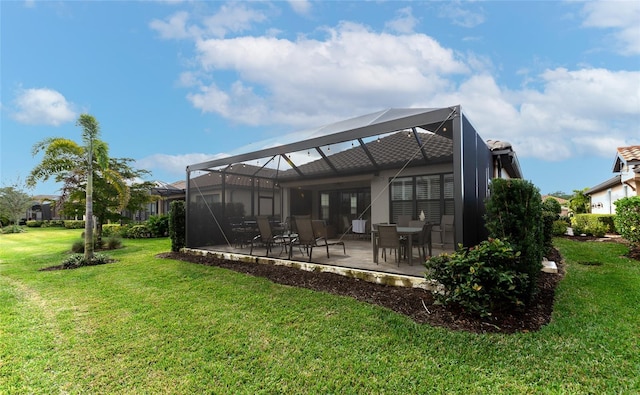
x,y
64,158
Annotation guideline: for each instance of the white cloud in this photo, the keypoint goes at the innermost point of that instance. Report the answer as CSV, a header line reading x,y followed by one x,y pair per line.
x,y
174,28
232,18
404,22
42,106
623,17
579,112
352,70
302,7
461,16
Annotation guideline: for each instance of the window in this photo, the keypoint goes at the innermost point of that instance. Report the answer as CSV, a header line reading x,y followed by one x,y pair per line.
x,y
431,194
324,205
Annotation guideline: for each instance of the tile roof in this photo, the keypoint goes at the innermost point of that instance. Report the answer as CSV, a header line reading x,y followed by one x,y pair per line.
x,y
630,154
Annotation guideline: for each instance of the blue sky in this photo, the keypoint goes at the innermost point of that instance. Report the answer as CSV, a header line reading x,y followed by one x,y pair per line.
x,y
174,83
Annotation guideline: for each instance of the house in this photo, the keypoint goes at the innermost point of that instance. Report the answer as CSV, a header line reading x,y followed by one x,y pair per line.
x,y
44,207
625,183
376,167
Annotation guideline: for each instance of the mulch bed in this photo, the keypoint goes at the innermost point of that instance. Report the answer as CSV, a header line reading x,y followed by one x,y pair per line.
x,y
416,303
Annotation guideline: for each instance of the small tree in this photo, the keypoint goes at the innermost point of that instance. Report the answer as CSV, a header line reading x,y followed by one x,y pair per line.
x,y
579,202
63,157
514,214
551,210
14,202
177,225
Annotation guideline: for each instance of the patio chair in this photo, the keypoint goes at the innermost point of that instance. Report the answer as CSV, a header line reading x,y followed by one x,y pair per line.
x,y
307,238
320,231
266,236
423,243
441,231
403,220
388,238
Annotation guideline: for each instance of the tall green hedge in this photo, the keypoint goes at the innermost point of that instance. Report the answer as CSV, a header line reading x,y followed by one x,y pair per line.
x,y
177,225
514,214
627,219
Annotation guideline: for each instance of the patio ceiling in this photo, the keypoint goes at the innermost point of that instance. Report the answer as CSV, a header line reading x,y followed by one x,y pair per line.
x,y
427,138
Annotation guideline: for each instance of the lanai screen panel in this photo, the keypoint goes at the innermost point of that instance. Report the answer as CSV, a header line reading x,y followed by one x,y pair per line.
x,y
222,204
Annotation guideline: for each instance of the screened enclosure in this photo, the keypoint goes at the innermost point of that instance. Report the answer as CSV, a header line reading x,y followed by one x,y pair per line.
x,y
376,168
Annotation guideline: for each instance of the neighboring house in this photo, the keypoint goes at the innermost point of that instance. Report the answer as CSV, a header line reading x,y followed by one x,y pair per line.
x,y
625,183
378,167
163,194
44,207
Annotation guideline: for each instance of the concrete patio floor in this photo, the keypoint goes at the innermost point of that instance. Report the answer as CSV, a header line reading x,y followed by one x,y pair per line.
x,y
356,262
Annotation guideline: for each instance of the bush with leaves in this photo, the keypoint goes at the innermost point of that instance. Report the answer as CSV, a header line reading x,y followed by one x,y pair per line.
x,y
13,229
109,230
627,220
112,242
591,224
514,214
139,231
480,279
74,224
77,247
158,225
177,225
559,227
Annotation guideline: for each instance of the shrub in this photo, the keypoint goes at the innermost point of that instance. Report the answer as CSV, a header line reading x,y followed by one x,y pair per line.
x,y
480,279
109,230
34,224
13,229
158,225
78,247
74,224
138,231
591,224
553,206
627,220
177,225
559,227
514,214
112,243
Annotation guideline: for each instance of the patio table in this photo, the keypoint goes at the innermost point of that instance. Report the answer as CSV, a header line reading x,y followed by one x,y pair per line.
x,y
408,231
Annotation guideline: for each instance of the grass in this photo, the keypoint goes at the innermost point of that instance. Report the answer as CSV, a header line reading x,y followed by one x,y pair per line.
x,y
148,325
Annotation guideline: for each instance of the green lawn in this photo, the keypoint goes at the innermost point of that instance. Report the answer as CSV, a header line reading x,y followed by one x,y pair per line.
x,y
148,325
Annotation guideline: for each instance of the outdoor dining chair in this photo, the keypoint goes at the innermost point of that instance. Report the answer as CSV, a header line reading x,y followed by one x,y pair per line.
x,y
388,238
320,231
266,236
442,230
423,243
307,238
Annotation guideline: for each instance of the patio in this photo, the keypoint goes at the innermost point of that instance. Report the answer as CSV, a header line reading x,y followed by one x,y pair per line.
x,y
356,262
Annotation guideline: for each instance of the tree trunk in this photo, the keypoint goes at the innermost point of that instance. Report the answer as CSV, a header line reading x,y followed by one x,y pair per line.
x,y
88,223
